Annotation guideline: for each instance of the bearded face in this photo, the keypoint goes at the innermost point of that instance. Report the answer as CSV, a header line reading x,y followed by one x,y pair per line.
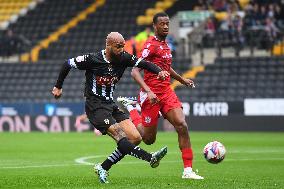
x,y
114,55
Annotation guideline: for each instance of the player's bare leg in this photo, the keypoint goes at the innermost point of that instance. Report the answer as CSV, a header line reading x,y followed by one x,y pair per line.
x,y
149,133
131,132
177,119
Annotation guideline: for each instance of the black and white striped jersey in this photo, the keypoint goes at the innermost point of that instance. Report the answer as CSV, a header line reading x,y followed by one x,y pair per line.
x,y
102,75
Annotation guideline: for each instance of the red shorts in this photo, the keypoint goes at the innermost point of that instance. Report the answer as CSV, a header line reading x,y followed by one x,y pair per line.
x,y
150,112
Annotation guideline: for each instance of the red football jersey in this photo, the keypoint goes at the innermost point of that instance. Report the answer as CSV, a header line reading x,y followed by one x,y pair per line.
x,y
159,53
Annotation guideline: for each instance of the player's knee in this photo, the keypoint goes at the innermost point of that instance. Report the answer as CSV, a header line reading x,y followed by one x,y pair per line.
x,y
149,141
181,123
136,139
181,126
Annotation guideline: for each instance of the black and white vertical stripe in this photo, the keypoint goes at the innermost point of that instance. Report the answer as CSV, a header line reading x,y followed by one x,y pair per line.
x,y
94,89
103,91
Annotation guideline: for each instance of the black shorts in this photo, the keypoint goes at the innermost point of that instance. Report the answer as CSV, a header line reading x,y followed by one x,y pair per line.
x,y
102,114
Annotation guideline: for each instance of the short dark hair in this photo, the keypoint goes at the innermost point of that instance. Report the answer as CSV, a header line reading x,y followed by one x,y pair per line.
x,y
159,14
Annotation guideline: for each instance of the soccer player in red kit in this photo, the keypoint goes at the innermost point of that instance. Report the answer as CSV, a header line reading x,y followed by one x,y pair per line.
x,y
157,96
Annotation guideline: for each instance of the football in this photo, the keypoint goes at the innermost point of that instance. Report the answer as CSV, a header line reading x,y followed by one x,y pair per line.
x,y
214,152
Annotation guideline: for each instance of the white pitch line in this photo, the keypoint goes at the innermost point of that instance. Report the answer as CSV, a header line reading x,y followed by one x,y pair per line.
x,y
81,160
255,151
37,166
84,163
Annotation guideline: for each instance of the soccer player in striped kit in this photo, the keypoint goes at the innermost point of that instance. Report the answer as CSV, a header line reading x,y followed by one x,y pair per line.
x,y
103,71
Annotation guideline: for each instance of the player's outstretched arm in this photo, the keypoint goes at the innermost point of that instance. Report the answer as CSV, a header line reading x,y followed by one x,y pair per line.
x,y
57,90
133,61
154,69
83,62
184,81
135,73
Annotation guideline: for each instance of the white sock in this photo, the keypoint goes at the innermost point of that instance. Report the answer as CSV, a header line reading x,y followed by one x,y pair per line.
x,y
129,107
187,169
138,107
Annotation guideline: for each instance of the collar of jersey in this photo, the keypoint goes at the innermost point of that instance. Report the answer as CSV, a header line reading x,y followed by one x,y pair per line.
x,y
158,39
104,56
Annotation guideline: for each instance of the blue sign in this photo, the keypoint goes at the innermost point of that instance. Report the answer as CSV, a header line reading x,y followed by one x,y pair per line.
x,y
15,109
48,109
58,109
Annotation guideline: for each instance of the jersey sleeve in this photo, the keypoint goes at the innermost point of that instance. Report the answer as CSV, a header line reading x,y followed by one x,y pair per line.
x,y
131,60
82,62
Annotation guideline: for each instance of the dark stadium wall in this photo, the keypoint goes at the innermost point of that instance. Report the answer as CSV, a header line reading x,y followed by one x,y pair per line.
x,y
43,123
200,116
231,123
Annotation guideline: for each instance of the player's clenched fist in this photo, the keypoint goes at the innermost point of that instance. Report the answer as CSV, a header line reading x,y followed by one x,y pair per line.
x,y
56,92
189,83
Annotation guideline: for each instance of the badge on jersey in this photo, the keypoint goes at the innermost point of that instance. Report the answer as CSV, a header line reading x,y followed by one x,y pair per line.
x,y
145,53
109,68
106,121
133,57
147,119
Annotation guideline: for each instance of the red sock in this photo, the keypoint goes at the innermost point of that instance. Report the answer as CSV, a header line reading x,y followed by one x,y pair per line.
x,y
187,157
135,117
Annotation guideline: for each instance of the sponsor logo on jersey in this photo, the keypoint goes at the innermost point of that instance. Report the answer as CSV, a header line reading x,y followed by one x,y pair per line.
x,y
106,80
167,55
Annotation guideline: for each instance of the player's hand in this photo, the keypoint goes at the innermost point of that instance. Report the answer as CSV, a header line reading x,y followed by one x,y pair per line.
x,y
78,122
152,97
162,75
81,118
56,92
188,83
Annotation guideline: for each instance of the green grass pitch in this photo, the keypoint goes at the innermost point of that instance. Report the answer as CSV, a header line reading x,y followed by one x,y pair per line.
x,y
40,160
